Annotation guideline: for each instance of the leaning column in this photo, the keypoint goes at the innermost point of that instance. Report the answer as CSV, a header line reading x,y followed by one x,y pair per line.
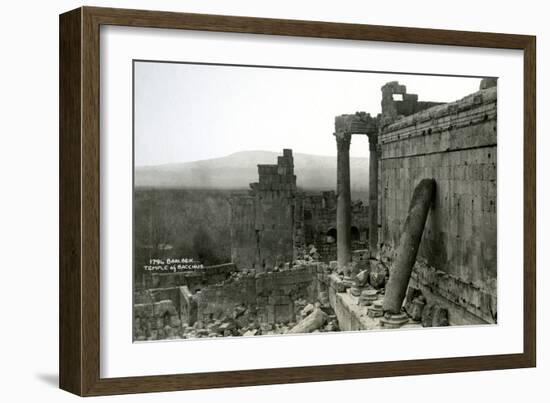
x,y
373,194
343,207
409,242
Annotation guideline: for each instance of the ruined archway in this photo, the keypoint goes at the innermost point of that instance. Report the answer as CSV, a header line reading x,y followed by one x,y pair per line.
x,y
360,123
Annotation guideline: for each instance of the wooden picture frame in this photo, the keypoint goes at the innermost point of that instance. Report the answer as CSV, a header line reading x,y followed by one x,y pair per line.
x,y
79,280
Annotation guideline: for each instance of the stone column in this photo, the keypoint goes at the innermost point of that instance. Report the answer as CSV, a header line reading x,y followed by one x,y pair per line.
x,y
373,194
343,207
408,245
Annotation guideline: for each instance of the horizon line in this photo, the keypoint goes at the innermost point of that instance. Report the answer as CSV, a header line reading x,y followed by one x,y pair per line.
x,y
239,152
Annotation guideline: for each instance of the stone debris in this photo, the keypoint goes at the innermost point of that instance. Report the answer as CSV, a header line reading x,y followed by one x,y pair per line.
x,y
435,316
375,310
333,266
362,278
416,308
324,299
440,317
368,297
378,274
312,322
307,310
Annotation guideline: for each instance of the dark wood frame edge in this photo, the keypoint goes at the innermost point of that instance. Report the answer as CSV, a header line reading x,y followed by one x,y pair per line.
x,y
79,201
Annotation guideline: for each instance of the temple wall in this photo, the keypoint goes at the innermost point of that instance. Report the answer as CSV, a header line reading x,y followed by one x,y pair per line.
x,y
456,144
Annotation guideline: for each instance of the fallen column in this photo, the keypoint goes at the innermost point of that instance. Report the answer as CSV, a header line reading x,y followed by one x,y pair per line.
x,y
408,246
313,321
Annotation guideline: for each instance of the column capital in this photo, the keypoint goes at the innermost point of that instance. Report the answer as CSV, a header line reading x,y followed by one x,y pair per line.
x,y
343,141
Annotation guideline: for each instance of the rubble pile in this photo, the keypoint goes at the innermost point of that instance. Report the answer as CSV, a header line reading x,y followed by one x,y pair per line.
x,y
365,280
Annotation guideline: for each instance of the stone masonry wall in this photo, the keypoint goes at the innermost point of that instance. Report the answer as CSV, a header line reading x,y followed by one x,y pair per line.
x,y
262,224
270,295
193,279
275,223
315,221
456,144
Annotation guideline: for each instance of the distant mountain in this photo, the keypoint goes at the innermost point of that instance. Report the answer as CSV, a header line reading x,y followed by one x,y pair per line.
x,y
236,171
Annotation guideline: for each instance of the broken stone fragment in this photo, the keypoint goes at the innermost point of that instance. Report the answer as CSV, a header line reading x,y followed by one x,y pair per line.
x,y
323,298
266,327
440,317
307,310
427,316
376,311
175,321
378,274
165,306
416,308
238,311
414,303
362,278
226,326
353,269
356,290
333,265
368,297
312,322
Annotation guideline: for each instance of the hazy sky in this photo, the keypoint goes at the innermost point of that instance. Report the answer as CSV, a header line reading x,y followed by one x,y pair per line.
x,y
189,112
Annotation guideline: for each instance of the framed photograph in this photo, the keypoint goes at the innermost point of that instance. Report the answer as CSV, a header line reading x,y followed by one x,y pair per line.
x,y
249,201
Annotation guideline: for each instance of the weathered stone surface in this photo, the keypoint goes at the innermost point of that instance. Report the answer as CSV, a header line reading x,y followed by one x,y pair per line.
x,y
488,83
312,322
368,297
164,307
307,310
355,290
251,332
394,320
408,245
375,310
378,274
440,317
456,144
362,278
416,309
343,194
427,316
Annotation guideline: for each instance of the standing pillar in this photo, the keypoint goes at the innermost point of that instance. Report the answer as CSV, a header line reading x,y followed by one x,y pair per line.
x,y
373,194
343,208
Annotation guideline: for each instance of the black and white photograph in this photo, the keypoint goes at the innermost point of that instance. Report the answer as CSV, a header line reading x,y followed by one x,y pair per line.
x,y
271,200
276,201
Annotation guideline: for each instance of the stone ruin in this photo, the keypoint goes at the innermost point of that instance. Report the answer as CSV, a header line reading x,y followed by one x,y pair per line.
x,y
277,223
425,254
